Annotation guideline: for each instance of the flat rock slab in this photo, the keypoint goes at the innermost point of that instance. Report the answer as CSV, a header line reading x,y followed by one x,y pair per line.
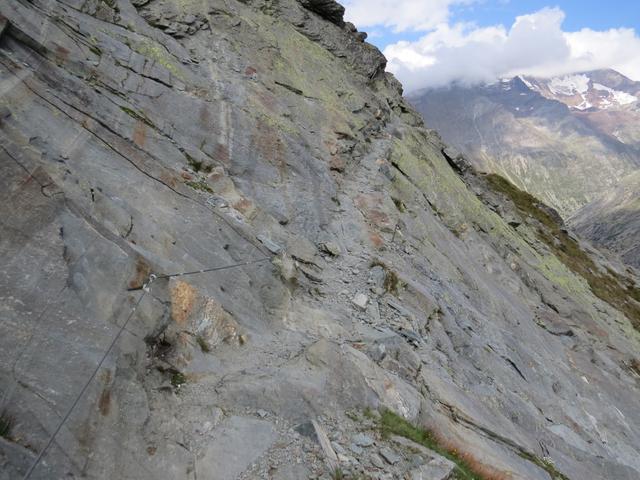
x,y
362,440
438,468
361,301
239,442
390,456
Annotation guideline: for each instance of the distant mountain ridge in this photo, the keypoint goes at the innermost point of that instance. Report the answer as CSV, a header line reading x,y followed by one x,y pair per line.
x,y
567,140
591,91
573,141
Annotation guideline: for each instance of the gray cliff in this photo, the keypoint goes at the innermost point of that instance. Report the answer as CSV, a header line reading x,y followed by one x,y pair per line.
x,y
370,269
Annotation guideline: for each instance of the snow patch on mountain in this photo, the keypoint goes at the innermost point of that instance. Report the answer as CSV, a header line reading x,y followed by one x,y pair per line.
x,y
585,105
569,85
621,98
526,82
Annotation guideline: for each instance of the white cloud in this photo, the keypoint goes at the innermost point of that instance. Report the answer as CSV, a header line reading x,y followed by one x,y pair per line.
x,y
535,44
400,15
616,48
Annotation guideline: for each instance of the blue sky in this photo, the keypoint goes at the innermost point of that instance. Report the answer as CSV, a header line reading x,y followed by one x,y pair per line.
x,y
431,43
593,14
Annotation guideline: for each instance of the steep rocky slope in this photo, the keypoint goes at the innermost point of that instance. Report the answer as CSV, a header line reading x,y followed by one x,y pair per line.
x,y
333,263
567,140
613,220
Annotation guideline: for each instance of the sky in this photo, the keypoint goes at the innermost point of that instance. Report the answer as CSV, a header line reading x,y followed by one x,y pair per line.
x,y
434,43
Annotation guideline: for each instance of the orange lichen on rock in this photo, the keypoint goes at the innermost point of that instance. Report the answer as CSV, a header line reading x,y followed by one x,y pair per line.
x,y
183,298
245,206
376,240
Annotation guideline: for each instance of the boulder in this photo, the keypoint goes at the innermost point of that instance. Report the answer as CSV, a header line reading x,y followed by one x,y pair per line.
x,y
329,9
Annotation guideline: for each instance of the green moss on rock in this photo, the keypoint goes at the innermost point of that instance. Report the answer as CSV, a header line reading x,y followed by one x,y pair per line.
x,y
611,287
200,185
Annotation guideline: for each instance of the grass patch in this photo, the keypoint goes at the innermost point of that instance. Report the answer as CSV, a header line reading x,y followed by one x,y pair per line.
x,y
198,166
391,281
544,464
617,290
467,467
138,116
178,379
200,185
399,204
6,424
202,343
337,474
370,414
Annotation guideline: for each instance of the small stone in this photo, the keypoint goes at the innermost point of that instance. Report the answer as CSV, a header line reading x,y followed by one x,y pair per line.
x,y
286,266
389,455
373,312
377,462
362,440
438,468
331,248
378,291
346,458
308,430
361,301
339,449
262,413
377,276
356,449
272,246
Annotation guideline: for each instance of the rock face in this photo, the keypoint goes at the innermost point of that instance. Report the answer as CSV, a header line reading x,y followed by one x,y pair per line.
x,y
168,173
329,9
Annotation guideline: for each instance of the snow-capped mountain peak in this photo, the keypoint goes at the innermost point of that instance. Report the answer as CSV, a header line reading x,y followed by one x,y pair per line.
x,y
589,91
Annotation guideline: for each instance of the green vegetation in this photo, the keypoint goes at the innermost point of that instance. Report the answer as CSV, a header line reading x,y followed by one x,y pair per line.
x,y
198,166
337,474
95,50
157,52
369,413
392,424
200,185
399,204
202,343
138,116
615,289
544,464
466,466
178,379
6,424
